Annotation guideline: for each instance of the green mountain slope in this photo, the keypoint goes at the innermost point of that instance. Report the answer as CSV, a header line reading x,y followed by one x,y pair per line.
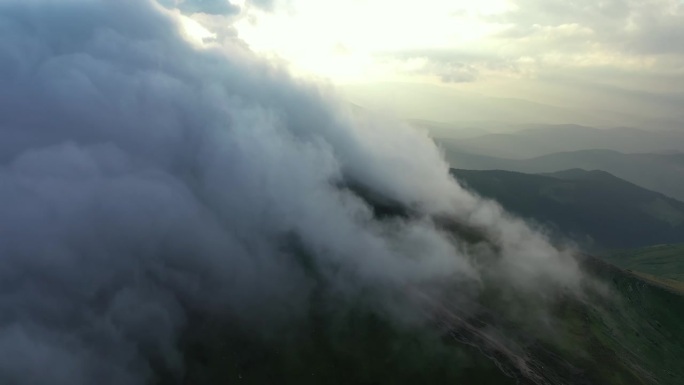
x,y
631,334
622,331
662,261
593,208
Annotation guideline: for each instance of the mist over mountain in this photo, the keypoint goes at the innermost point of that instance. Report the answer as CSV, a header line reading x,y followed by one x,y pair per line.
x,y
163,199
456,105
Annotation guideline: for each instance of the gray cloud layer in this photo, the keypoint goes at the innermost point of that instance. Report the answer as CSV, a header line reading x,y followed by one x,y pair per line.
x,y
143,179
214,7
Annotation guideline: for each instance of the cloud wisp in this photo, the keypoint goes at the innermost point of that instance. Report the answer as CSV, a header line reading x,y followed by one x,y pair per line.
x,y
145,180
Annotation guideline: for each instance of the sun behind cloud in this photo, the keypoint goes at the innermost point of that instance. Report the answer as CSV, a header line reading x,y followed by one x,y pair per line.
x,y
311,33
195,31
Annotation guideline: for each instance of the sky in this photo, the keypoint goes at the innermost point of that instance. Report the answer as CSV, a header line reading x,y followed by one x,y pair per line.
x,y
614,62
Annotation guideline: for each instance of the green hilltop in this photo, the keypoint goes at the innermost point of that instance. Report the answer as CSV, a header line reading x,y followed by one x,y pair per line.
x,y
593,209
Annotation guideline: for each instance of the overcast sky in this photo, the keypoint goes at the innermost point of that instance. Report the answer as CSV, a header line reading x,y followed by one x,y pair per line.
x,y
623,58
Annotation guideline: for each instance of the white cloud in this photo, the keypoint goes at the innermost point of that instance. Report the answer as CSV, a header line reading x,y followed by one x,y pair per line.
x,y
144,181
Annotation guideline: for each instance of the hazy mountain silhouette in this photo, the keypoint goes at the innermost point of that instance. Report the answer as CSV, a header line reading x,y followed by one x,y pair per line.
x,y
428,101
542,140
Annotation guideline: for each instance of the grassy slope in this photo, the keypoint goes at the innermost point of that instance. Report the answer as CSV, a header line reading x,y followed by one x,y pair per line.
x,y
643,325
594,208
633,336
666,283
661,261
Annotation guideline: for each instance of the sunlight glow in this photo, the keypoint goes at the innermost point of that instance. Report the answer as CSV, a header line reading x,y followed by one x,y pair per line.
x,y
343,39
194,31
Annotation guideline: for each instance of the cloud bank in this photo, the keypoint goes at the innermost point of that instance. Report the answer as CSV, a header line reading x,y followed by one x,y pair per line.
x,y
145,180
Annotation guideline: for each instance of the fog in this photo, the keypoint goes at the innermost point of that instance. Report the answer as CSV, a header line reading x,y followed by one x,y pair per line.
x,y
145,178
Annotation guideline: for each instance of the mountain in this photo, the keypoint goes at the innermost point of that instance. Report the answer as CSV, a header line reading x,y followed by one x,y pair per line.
x,y
451,130
446,104
548,139
664,261
663,173
412,100
633,336
593,208
628,332
624,330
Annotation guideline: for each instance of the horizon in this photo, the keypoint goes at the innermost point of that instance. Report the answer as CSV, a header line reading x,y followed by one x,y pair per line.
x,y
616,63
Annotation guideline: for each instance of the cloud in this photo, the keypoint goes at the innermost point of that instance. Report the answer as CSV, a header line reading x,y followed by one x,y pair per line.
x,y
450,65
561,35
145,182
264,4
211,7
603,58
628,27
446,71
216,7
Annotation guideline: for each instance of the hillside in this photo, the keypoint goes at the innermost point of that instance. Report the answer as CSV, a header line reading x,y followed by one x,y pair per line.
x,y
593,208
664,261
624,331
631,334
658,172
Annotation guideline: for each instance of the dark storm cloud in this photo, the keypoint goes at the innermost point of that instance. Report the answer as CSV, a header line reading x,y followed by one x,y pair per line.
x,y
143,179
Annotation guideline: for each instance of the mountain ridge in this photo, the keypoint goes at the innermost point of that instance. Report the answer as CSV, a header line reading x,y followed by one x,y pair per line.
x,y
658,172
594,208
540,140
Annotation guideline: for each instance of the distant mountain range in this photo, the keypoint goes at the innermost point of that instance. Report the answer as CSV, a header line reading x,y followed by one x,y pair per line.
x,y
663,173
445,131
540,140
592,208
411,100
